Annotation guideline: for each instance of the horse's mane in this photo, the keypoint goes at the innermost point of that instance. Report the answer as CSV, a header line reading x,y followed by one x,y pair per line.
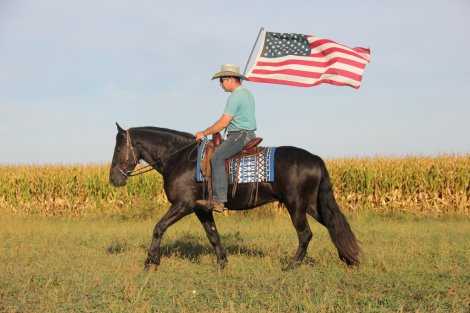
x,y
164,131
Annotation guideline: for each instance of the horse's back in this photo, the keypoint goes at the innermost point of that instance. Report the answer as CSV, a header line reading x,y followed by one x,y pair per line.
x,y
289,156
296,171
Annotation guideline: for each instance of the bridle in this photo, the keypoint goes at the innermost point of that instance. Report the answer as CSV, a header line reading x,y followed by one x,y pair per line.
x,y
139,171
129,145
136,161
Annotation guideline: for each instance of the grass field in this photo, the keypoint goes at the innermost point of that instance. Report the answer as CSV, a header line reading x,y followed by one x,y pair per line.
x,y
96,265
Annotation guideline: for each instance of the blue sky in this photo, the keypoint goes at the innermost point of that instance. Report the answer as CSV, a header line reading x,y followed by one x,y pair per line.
x,y
70,69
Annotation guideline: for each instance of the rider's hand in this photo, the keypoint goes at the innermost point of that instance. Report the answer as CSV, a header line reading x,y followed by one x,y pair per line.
x,y
199,135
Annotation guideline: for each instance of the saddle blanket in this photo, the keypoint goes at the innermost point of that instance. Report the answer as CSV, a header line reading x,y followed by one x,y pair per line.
x,y
252,169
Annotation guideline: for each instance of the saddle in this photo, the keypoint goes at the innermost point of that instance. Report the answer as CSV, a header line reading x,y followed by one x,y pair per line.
x,y
250,149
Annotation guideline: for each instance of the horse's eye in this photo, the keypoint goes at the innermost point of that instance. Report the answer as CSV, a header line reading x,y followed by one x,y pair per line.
x,y
118,150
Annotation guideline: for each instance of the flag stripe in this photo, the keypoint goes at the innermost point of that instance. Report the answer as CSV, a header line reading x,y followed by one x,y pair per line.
x,y
309,80
313,63
314,66
299,84
311,74
318,53
363,52
339,66
320,57
317,42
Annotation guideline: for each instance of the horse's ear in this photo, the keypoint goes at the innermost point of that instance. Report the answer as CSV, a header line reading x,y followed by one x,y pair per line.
x,y
119,128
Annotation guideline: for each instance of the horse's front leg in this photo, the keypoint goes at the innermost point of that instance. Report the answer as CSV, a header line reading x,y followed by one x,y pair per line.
x,y
174,214
207,221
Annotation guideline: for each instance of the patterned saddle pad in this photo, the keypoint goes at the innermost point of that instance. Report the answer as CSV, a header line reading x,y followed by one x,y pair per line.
x,y
252,169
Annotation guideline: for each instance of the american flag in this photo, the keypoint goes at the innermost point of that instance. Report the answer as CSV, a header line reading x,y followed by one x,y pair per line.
x,y
305,61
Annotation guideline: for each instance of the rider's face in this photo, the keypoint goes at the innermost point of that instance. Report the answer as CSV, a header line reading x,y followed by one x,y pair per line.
x,y
226,84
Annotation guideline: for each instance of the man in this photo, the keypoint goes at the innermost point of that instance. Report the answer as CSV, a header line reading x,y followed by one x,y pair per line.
x,y
239,116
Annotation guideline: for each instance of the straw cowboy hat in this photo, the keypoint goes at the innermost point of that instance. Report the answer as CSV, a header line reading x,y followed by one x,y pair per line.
x,y
230,70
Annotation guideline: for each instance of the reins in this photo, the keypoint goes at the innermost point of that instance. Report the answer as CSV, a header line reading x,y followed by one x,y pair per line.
x,y
137,172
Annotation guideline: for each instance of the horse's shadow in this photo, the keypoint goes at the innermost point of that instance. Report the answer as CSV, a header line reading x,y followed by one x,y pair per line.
x,y
193,247
187,246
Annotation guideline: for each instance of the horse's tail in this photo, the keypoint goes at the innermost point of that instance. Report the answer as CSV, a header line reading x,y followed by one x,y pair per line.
x,y
335,221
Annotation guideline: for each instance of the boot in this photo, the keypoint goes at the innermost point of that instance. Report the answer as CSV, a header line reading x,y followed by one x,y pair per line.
x,y
217,207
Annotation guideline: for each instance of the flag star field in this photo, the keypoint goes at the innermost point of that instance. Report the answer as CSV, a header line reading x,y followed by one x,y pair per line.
x,y
280,44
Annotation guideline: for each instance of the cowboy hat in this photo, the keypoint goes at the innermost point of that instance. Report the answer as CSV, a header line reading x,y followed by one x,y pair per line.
x,y
230,70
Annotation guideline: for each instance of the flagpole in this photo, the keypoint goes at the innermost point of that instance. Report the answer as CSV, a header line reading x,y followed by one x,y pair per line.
x,y
252,50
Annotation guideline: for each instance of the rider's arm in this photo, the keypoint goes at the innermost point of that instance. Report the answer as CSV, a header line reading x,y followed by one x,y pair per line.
x,y
217,127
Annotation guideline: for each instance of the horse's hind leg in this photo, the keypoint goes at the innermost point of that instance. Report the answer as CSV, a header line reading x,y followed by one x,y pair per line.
x,y
207,221
299,219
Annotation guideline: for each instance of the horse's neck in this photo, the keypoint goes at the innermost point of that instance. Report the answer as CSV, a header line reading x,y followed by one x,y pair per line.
x,y
159,146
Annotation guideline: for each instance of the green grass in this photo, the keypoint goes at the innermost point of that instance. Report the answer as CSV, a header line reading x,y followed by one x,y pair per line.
x,y
96,265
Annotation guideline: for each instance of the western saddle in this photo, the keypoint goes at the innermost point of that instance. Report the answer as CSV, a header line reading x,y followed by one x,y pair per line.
x,y
250,149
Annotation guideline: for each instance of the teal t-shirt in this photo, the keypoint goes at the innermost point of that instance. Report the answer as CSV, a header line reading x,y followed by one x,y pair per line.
x,y
241,105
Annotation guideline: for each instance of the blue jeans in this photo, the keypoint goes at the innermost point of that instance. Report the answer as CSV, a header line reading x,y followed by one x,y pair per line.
x,y
234,143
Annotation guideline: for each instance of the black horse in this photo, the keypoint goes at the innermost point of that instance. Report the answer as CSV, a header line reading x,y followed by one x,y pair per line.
x,y
301,183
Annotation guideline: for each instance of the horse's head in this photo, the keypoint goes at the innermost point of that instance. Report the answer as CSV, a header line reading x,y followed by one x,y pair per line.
x,y
124,159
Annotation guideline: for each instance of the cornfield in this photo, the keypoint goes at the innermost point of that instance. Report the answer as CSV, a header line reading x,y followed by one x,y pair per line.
x,y
418,184
438,185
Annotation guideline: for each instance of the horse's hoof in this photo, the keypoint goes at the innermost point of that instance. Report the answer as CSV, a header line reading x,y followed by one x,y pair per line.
x,y
222,264
291,266
151,267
